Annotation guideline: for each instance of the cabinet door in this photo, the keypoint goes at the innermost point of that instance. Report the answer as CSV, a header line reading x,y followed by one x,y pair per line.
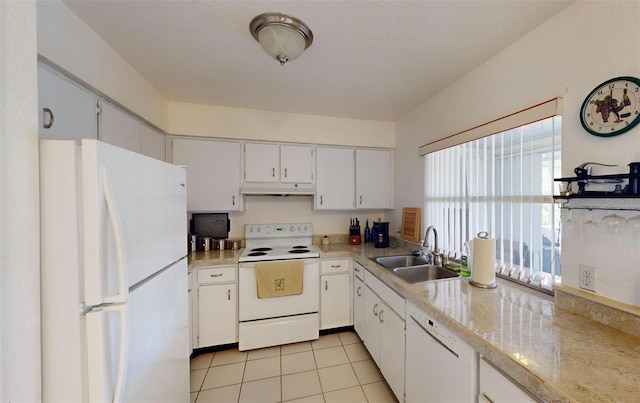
x,y
213,173
261,162
217,315
70,113
392,345
495,387
118,128
358,305
335,178
335,301
373,179
371,333
152,143
296,164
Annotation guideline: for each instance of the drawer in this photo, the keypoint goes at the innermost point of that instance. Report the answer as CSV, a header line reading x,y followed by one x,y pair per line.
x,y
335,266
221,274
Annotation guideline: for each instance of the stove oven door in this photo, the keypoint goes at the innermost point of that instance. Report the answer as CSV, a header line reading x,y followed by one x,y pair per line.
x,y
253,308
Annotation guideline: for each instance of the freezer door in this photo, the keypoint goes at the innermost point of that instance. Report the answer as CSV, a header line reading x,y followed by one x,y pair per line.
x,y
133,216
139,351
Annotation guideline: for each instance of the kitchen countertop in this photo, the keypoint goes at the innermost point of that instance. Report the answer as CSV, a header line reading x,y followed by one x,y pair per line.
x,y
555,354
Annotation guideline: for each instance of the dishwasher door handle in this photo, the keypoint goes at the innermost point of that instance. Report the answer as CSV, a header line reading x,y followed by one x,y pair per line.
x,y
434,337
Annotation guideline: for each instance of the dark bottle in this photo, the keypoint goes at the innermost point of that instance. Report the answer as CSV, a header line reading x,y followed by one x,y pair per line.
x,y
367,232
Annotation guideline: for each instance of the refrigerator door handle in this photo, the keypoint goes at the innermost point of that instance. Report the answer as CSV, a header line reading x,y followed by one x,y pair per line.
x,y
114,217
98,385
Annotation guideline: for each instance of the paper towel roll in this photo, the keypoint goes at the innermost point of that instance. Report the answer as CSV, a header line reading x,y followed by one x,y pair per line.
x,y
484,261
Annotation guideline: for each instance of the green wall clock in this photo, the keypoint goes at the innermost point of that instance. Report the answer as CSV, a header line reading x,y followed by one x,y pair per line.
x,y
612,108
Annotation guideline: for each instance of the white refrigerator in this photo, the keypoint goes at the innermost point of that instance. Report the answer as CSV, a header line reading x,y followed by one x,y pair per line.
x,y
115,324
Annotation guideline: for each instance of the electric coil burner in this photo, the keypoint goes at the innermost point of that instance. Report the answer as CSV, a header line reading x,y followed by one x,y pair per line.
x,y
291,318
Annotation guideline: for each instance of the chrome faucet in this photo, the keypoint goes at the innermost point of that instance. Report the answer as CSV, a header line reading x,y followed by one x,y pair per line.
x,y
435,257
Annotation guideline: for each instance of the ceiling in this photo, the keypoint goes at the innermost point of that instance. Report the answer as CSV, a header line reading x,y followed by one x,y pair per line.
x,y
374,60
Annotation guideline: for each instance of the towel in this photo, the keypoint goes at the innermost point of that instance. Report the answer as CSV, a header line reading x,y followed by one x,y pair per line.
x,y
279,278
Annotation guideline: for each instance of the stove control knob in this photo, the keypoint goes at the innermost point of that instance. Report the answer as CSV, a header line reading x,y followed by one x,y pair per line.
x,y
292,229
259,229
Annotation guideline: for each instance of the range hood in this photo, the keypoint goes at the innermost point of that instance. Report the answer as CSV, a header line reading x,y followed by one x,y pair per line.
x,y
278,189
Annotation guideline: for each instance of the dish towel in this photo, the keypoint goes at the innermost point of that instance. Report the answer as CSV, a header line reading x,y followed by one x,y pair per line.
x,y
279,278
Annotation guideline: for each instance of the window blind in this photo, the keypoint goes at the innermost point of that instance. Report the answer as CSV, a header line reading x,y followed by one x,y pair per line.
x,y
502,184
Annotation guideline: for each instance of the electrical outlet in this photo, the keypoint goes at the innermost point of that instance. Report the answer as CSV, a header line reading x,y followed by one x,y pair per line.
x,y
587,278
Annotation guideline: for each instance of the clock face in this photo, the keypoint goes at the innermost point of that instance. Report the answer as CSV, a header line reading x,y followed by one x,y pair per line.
x,y
612,108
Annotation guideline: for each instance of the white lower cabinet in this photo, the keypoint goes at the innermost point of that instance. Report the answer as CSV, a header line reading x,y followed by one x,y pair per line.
x,y
497,388
358,301
335,293
383,331
217,306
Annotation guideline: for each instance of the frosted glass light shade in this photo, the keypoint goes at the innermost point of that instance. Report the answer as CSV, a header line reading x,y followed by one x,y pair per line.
x,y
283,37
281,42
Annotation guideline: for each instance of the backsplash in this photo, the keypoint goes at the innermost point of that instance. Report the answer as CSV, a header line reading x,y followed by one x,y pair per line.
x,y
612,250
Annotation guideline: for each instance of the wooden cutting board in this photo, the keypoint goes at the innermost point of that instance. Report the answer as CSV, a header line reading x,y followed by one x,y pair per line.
x,y
411,224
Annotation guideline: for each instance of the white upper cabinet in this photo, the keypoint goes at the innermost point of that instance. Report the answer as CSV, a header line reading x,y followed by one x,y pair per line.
x,y
335,178
274,163
152,142
374,175
118,128
296,164
66,110
213,173
262,163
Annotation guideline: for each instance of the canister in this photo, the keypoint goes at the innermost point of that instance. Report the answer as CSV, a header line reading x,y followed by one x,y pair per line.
x,y
220,244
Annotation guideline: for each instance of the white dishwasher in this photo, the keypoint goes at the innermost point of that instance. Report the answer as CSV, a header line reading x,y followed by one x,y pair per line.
x,y
439,366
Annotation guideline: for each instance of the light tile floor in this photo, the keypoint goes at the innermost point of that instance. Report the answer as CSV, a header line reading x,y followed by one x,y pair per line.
x,y
335,368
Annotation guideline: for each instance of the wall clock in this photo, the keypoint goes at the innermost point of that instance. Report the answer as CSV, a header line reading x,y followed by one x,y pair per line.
x,y
612,108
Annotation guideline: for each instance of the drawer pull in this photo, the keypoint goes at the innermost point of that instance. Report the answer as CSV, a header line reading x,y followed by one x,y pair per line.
x,y
215,275
335,266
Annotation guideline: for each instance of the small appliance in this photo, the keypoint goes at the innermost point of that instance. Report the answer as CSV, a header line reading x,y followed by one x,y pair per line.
x,y
381,239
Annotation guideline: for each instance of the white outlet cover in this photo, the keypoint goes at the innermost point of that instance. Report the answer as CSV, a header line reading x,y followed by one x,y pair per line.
x,y
587,277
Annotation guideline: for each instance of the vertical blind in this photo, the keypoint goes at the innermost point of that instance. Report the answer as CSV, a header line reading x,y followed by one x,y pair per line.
x,y
501,184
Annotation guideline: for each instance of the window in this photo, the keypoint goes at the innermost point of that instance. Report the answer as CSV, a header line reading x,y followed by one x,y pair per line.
x,y
501,184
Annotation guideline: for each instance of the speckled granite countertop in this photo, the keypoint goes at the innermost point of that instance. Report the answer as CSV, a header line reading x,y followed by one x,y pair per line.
x,y
555,354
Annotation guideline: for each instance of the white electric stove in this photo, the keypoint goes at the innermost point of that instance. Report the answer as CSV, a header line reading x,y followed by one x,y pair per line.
x,y
273,321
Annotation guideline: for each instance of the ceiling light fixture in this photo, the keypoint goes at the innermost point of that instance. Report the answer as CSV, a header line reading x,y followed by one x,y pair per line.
x,y
283,37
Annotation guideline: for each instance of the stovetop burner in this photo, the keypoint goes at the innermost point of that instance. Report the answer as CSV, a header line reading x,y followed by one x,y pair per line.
x,y
299,250
257,253
261,249
300,247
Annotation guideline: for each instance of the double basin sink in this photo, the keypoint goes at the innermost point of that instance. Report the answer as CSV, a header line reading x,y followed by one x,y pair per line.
x,y
414,269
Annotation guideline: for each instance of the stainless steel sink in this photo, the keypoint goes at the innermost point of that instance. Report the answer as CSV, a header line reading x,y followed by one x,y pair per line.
x,y
426,272
392,262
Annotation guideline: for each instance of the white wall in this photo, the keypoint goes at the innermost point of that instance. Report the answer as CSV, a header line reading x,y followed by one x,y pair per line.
x,y
19,208
218,121
69,43
567,56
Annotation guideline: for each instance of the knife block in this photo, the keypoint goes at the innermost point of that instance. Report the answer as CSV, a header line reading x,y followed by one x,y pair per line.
x,y
354,239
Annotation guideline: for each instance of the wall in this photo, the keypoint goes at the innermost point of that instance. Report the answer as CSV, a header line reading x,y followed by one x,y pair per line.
x,y
65,40
567,56
19,208
218,121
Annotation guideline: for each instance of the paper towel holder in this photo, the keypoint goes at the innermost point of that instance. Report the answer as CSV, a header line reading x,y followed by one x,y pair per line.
x,y
490,285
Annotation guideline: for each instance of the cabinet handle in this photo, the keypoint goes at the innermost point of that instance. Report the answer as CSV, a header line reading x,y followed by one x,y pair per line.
x,y
285,172
273,172
233,200
358,292
326,285
360,199
380,318
215,275
320,199
356,269
335,266
229,295
50,113
375,311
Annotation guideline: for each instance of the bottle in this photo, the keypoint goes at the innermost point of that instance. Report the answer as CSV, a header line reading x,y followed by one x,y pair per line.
x,y
367,232
464,261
